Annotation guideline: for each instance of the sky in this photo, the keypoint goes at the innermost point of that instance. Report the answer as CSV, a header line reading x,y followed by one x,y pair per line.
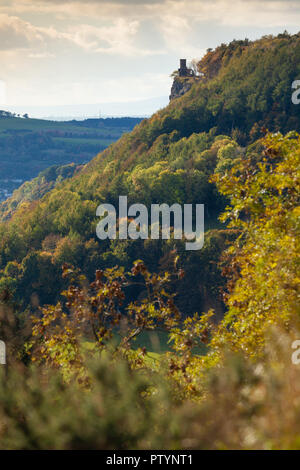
x,y
73,52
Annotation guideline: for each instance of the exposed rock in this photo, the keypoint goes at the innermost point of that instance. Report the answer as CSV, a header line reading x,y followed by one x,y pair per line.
x,y
180,87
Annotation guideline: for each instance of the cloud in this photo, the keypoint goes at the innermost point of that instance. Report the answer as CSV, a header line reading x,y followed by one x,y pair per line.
x,y
79,8
40,55
116,38
177,32
261,13
98,2
229,13
116,26
16,33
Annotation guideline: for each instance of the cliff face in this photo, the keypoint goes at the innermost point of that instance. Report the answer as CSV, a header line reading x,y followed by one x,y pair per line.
x,y
180,87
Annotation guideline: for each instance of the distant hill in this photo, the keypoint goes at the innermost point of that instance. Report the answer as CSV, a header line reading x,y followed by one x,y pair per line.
x,y
28,146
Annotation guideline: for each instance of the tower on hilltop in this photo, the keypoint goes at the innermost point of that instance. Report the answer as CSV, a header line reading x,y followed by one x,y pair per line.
x,y
183,71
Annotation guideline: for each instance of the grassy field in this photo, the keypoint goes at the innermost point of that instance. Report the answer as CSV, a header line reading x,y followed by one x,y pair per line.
x,y
155,342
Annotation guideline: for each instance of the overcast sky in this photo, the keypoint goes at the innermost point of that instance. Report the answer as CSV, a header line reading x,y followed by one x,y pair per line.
x,y
73,52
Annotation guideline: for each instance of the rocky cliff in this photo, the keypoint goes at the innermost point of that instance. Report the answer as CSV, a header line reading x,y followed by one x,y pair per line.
x,y
180,87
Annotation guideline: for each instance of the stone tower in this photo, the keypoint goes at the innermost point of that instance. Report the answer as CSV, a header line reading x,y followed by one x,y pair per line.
x,y
183,70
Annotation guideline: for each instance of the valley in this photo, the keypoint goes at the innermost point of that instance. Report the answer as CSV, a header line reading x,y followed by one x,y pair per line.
x,y
29,146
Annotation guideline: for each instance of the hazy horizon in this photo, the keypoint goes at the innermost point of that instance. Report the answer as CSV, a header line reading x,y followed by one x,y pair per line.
x,y
136,108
